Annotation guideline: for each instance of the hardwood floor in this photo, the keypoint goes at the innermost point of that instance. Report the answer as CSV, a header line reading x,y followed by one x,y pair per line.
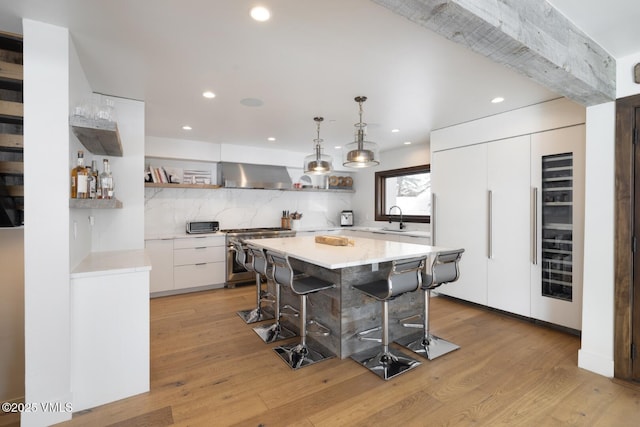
x,y
208,368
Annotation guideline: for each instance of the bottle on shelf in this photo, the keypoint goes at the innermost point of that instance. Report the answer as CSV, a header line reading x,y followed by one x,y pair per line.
x,y
106,180
93,180
79,179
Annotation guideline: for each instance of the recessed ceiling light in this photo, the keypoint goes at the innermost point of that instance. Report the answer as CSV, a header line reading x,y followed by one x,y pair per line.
x,y
260,13
337,147
395,130
208,94
407,143
186,127
271,139
497,100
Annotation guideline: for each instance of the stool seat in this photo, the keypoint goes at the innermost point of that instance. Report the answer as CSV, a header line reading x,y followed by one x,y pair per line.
x,y
257,314
301,354
275,331
444,269
405,276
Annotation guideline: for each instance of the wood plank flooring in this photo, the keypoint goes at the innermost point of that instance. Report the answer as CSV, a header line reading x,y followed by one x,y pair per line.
x,y
208,368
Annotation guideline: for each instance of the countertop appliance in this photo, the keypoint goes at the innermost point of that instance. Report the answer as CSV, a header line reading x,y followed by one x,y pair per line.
x,y
346,218
202,227
236,273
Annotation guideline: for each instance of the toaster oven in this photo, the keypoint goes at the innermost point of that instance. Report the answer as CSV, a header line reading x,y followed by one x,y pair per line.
x,y
202,227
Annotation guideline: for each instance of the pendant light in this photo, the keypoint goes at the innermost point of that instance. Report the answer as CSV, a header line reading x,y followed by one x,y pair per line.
x,y
318,163
360,153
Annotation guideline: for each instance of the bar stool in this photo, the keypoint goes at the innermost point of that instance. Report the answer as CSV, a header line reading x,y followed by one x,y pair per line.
x,y
404,277
255,314
444,269
275,331
301,354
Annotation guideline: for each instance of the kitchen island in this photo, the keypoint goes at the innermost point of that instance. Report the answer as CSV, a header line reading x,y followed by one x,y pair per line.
x,y
343,310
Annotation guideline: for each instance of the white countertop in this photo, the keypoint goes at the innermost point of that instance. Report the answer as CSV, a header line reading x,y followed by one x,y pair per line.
x,y
364,251
112,262
182,235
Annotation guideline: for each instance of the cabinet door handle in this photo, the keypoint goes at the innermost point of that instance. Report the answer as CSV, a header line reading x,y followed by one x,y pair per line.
x,y
433,219
490,225
200,264
534,226
201,247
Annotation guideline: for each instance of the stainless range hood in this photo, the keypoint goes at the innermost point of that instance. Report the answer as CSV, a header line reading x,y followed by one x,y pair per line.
x,y
247,175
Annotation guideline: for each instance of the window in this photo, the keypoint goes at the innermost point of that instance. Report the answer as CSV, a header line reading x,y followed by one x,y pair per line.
x,y
407,188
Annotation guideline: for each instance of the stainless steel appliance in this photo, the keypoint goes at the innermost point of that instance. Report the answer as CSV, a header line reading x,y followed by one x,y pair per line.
x,y
236,273
201,227
346,218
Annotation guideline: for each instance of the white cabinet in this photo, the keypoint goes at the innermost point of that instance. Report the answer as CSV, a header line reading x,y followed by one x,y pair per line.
x,y
186,263
490,199
199,261
161,253
459,186
509,228
109,337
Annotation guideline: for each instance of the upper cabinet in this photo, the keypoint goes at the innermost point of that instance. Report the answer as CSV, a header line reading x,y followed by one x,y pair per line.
x,y
11,131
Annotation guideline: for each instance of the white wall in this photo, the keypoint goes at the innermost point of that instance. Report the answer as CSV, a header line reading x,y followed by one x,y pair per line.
x,y
596,352
123,229
12,314
46,233
79,91
364,198
625,86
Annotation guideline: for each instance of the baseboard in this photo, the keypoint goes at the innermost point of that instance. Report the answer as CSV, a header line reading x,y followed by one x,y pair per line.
x,y
595,363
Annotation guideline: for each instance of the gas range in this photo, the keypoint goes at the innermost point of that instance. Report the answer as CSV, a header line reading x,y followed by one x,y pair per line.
x,y
236,273
259,232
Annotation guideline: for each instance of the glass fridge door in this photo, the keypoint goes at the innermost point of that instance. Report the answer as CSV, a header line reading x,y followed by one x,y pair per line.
x,y
557,226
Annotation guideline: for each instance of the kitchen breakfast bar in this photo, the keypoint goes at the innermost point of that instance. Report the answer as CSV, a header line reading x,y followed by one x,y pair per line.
x,y
344,310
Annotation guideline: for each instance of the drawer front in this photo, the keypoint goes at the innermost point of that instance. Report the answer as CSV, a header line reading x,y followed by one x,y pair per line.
x,y
200,241
198,255
191,276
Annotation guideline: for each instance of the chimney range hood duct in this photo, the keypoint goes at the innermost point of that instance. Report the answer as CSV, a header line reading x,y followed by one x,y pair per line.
x,y
246,175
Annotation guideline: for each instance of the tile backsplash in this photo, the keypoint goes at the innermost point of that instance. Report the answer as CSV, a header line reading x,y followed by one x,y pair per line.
x,y
168,209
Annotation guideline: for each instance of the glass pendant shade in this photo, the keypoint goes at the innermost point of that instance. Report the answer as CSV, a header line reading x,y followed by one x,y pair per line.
x,y
360,153
318,163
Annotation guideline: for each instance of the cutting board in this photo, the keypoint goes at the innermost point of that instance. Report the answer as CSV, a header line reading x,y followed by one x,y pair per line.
x,y
334,240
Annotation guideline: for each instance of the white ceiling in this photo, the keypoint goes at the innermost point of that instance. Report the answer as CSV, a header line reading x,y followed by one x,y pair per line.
x,y
311,59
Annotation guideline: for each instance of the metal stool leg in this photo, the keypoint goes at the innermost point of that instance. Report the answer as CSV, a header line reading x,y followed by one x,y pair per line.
x,y
275,331
424,343
383,362
301,355
257,314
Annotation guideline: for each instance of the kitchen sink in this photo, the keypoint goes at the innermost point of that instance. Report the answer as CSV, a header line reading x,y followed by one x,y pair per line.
x,y
394,229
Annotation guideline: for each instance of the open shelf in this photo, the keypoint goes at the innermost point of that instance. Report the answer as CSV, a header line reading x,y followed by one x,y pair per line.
x,y
198,186
95,203
98,136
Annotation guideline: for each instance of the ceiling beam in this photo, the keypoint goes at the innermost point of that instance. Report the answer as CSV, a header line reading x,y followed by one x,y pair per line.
x,y
528,36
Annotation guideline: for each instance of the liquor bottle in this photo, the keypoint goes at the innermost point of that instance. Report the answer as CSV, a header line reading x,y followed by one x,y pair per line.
x,y
93,180
106,180
79,179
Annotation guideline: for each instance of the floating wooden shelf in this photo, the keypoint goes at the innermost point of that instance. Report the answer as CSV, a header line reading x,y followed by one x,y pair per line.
x,y
98,136
11,142
11,168
11,112
15,190
95,203
11,76
199,186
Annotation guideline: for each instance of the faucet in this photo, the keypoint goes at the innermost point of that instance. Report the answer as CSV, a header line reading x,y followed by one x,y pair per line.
x,y
402,226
